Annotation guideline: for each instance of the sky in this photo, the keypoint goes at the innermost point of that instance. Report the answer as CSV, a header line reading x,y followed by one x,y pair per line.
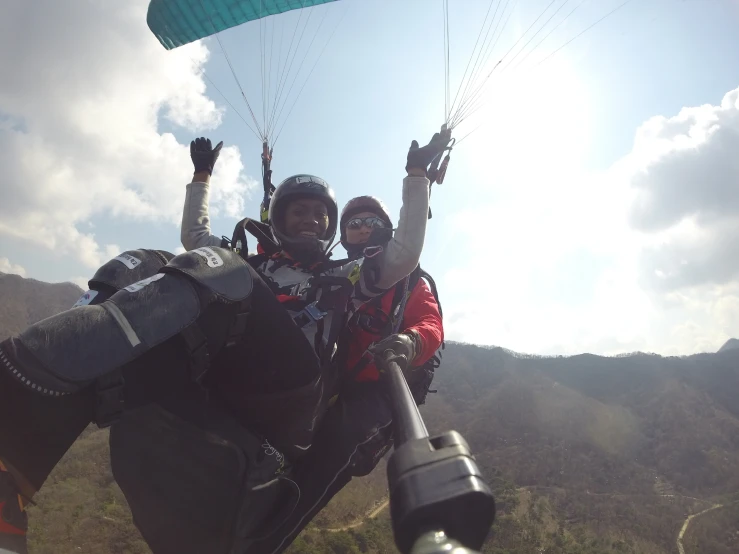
x,y
591,204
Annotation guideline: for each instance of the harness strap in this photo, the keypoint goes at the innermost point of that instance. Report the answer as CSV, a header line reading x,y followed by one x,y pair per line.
x,y
336,300
337,323
263,233
257,259
260,230
238,326
401,307
395,320
432,286
197,351
109,389
363,362
109,398
331,300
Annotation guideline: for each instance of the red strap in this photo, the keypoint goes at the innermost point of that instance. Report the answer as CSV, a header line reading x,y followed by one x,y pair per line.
x,y
282,298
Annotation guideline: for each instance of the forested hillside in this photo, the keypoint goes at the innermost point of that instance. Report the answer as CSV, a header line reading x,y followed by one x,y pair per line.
x,y
585,453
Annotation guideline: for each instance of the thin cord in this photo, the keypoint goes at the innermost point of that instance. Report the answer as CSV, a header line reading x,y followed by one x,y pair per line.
x,y
584,31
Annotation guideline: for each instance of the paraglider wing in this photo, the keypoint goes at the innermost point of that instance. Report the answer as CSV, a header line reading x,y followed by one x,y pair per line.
x,y
178,22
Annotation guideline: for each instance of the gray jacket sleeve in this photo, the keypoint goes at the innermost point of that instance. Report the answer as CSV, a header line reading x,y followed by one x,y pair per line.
x,y
402,254
195,231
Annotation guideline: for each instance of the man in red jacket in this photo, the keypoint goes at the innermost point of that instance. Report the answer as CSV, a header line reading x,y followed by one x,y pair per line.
x,y
357,431
422,330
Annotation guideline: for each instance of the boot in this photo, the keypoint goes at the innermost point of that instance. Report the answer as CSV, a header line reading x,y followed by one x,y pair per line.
x,y
13,518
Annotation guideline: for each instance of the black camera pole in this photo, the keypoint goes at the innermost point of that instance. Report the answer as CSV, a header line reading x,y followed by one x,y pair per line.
x,y
439,501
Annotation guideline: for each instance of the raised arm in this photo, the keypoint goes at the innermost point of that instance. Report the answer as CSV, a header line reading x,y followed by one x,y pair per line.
x,y
195,229
403,252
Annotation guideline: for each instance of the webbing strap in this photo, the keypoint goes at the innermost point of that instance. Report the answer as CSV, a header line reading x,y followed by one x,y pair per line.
x,y
197,350
110,388
109,398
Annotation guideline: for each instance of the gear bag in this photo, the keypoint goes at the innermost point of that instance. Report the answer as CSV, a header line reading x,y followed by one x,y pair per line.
x,y
195,478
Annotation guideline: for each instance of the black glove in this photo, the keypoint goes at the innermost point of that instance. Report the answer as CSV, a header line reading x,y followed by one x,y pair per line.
x,y
203,154
420,158
402,345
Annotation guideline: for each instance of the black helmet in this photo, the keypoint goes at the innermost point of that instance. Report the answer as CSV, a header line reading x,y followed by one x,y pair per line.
x,y
293,188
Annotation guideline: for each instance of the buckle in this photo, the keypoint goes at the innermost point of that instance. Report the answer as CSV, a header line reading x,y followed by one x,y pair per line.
x,y
238,329
310,313
109,402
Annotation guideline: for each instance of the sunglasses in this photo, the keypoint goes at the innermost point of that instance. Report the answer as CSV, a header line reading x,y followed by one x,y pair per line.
x,y
371,222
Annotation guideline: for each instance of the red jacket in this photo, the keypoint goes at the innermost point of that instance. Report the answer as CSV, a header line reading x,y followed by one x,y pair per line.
x,y
421,315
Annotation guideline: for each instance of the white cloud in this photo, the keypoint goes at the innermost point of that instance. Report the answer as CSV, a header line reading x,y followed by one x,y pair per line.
x,y
686,175
644,256
7,267
79,130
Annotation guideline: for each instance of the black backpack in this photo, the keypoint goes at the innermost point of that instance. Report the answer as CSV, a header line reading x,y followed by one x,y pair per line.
x,y
421,389
423,376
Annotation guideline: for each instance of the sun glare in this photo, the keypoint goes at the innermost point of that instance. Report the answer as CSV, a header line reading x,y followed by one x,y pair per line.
x,y
537,123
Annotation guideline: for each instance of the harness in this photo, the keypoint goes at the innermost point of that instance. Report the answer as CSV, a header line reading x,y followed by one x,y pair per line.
x,y
312,310
259,230
140,268
384,324
335,292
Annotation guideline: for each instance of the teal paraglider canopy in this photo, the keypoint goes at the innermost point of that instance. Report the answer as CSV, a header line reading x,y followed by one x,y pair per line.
x,y
179,22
